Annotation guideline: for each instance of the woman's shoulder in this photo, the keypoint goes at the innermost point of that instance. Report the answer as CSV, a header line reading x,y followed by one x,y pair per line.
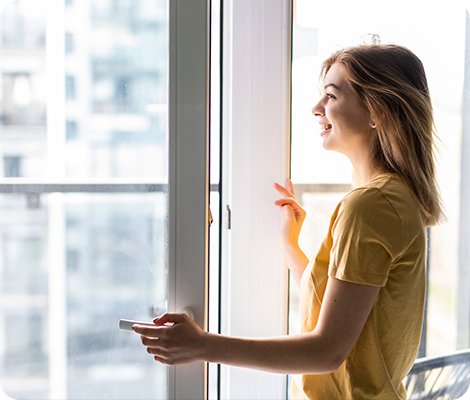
x,y
385,187
387,193
368,194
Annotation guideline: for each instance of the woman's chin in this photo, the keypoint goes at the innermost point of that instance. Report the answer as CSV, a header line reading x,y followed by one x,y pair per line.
x,y
326,144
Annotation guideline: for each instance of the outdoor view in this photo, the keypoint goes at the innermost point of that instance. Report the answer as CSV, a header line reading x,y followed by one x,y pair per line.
x,y
83,206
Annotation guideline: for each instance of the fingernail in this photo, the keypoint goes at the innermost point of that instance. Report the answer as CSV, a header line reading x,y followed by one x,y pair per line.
x,y
133,328
156,319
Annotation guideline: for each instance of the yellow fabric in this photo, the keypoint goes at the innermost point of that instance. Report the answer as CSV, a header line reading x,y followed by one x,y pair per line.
x,y
376,237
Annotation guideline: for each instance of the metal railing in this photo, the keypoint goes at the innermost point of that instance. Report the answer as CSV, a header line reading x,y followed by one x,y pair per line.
x,y
439,378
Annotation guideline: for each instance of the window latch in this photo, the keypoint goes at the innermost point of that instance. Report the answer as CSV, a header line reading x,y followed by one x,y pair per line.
x,y
228,218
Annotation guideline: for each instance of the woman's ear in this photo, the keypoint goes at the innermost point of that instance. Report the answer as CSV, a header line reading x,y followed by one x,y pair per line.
x,y
376,120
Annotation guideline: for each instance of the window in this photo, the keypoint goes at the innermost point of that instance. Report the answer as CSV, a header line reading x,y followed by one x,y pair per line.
x,y
70,87
69,43
71,130
89,216
12,167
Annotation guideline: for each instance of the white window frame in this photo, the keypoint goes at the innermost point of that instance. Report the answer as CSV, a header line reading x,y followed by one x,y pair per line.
x,y
256,142
189,178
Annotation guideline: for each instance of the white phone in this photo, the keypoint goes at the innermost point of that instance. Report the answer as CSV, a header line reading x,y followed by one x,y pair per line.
x,y
126,324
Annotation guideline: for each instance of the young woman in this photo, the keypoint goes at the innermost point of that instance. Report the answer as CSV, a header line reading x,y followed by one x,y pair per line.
x,y
362,295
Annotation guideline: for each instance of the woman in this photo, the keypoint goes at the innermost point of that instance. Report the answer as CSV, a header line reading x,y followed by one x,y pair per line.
x,y
362,296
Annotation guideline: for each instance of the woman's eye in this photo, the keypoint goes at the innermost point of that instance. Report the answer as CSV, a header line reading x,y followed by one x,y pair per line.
x,y
330,96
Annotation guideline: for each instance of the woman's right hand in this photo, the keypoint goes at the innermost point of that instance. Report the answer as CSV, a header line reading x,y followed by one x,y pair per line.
x,y
294,216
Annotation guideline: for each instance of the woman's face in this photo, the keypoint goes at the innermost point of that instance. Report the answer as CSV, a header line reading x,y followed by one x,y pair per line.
x,y
344,119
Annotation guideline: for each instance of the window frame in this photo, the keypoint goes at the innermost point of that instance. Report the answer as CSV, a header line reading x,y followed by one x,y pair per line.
x,y
189,178
256,153
188,187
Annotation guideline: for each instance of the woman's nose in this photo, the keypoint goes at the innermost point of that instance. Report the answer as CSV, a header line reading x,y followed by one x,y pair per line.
x,y
318,110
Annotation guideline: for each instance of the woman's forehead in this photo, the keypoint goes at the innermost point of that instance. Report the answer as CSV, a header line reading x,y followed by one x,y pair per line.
x,y
334,77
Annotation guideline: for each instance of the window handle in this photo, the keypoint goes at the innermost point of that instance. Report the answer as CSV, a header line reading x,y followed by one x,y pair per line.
x,y
188,312
160,309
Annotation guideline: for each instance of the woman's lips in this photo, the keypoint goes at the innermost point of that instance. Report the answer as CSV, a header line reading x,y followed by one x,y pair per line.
x,y
326,128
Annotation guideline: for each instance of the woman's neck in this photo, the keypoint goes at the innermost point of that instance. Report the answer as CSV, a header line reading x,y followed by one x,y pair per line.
x,y
365,176
364,167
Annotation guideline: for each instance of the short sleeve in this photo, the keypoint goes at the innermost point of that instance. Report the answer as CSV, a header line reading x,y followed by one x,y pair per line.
x,y
367,236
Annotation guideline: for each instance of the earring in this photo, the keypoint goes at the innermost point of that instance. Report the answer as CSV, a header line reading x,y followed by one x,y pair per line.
x,y
372,124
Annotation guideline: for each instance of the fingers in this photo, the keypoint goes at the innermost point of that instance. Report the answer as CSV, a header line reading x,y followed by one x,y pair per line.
x,y
296,207
290,187
291,208
146,330
288,211
288,207
161,354
169,318
287,191
156,346
149,341
175,338
285,201
163,322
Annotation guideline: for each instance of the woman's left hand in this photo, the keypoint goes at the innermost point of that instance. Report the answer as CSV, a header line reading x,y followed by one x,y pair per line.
x,y
294,216
175,339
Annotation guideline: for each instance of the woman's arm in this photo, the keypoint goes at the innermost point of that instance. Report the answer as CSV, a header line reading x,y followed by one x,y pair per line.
x,y
288,238
346,307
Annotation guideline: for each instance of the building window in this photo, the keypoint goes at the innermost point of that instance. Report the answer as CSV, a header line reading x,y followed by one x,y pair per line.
x,y
71,130
70,89
69,43
12,167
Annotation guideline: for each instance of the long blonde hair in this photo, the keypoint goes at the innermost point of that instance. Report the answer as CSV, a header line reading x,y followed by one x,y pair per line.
x,y
391,82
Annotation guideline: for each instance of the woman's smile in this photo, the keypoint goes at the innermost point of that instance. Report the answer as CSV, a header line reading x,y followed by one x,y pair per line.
x,y
325,128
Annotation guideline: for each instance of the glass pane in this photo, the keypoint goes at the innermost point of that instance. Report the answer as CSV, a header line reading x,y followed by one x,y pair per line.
x,y
115,267
116,88
24,300
319,175
23,95
88,80
83,100
71,269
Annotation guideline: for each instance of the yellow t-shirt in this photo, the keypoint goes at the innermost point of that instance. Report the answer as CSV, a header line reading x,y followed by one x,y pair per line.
x,y
376,237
